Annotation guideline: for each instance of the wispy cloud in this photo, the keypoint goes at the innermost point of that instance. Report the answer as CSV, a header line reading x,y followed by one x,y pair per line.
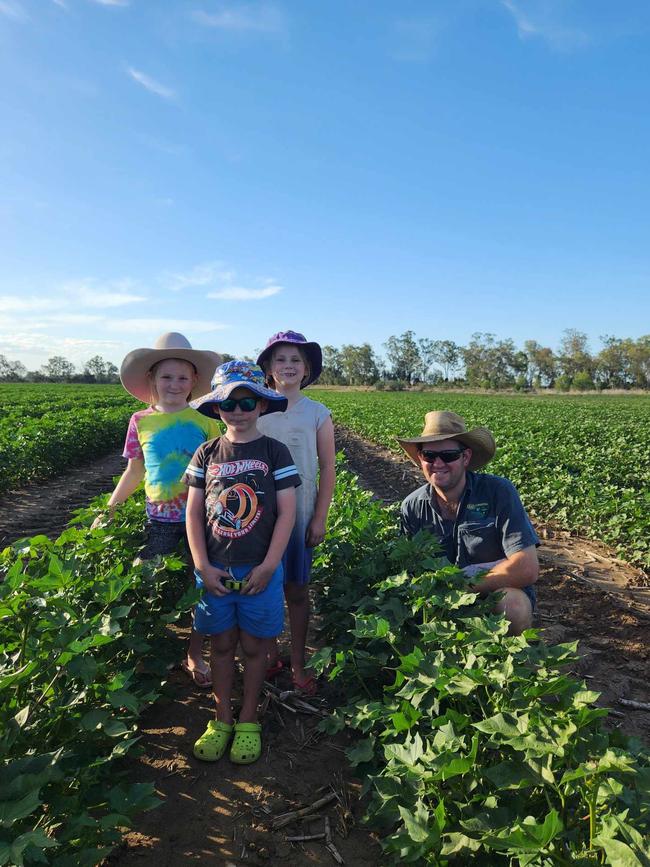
x,y
543,20
12,9
151,84
89,295
34,346
157,326
103,299
260,17
16,304
240,293
111,2
60,3
204,274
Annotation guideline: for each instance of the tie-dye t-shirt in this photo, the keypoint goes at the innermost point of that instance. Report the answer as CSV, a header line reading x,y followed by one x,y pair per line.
x,y
166,442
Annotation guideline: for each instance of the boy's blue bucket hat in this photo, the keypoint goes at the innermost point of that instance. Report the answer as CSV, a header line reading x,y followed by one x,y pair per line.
x,y
239,374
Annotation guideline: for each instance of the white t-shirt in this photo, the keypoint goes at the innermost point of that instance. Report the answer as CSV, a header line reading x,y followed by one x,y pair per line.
x,y
298,428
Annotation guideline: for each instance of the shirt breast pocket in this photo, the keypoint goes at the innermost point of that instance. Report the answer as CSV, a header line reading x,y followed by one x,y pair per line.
x,y
480,541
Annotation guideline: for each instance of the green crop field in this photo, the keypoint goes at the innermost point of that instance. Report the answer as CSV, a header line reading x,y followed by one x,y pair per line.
x,y
474,746
45,429
582,464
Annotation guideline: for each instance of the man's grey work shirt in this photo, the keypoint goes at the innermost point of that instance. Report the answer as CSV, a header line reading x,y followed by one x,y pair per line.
x,y
491,523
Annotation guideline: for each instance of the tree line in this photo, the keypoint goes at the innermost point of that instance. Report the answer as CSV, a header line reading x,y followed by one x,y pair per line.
x,y
59,369
490,363
486,362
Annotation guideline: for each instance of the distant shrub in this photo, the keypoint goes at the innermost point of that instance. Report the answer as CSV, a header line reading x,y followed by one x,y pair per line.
x,y
563,383
583,382
393,385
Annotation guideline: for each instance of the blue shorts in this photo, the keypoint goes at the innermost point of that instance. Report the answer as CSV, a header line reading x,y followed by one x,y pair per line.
x,y
261,615
297,559
530,592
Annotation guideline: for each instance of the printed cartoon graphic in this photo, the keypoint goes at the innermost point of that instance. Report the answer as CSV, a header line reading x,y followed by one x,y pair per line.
x,y
238,502
236,508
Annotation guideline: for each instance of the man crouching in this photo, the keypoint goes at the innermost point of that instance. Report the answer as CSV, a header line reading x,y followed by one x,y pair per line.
x,y
478,518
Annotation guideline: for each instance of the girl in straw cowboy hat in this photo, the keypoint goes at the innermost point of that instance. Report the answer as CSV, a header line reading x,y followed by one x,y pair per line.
x,y
291,362
160,441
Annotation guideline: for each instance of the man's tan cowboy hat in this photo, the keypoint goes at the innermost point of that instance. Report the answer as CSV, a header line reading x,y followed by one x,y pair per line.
x,y
444,425
138,363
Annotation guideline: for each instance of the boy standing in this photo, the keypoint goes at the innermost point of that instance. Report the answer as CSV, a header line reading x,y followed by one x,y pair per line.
x,y
240,513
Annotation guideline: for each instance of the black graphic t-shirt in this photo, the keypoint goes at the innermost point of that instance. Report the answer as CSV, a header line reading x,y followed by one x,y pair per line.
x,y
240,482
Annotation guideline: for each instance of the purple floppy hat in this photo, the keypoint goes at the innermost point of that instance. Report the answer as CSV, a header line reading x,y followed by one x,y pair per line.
x,y
312,351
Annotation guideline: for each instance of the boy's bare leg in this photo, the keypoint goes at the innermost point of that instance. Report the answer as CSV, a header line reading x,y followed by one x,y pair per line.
x,y
297,596
272,652
222,658
255,661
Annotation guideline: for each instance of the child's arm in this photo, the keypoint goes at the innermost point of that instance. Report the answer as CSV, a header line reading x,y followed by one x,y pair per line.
x,y
259,576
128,483
327,472
195,526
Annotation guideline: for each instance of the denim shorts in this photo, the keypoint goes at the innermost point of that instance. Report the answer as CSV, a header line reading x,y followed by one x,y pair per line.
x,y
161,537
530,592
260,615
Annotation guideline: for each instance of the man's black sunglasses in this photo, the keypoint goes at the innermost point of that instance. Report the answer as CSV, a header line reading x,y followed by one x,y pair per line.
x,y
246,404
448,456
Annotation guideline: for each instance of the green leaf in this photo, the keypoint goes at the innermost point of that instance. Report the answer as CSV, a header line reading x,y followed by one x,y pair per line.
x,y
619,854
12,811
363,751
417,824
12,853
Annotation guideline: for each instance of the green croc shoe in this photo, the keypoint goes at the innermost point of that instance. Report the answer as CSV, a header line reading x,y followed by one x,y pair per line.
x,y
246,746
213,742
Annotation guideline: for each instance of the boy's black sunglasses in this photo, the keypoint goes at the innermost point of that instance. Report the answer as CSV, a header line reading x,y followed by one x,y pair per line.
x,y
448,456
246,404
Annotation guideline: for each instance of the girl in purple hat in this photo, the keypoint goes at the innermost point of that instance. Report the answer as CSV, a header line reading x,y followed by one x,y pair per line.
x,y
290,363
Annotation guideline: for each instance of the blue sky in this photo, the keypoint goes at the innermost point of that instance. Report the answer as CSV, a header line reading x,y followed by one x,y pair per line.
x,y
347,169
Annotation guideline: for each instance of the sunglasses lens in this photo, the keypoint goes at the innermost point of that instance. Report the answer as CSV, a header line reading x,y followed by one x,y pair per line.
x,y
246,404
447,457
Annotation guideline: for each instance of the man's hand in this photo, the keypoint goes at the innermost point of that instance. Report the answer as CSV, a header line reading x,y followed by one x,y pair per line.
x,y
212,577
315,532
256,580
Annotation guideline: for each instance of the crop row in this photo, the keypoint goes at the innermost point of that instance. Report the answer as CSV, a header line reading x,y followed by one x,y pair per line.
x,y
83,650
34,400
474,746
582,464
44,438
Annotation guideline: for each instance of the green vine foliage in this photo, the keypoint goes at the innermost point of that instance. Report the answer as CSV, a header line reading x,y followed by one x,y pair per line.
x,y
84,649
474,746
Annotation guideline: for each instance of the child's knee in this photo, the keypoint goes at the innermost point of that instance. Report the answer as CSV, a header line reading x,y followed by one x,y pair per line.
x,y
253,646
224,643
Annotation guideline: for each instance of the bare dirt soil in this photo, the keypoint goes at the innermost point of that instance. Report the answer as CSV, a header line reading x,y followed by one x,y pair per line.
x,y
222,814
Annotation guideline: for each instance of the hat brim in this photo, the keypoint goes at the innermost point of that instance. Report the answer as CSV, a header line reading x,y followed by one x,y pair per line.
x,y
312,350
207,403
139,362
479,440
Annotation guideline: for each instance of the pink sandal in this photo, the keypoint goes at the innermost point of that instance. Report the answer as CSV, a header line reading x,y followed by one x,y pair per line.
x,y
202,676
